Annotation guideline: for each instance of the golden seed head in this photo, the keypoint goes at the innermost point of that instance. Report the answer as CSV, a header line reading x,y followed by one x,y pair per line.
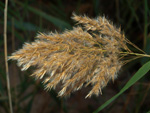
x,y
76,58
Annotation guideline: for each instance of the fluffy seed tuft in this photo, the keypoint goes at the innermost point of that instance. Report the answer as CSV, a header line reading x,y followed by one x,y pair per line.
x,y
88,54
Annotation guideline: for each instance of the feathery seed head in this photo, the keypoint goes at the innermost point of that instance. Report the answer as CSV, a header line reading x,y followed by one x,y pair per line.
x,y
76,58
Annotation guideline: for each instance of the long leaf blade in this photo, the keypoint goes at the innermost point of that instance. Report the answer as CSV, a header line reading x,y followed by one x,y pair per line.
x,y
138,75
56,21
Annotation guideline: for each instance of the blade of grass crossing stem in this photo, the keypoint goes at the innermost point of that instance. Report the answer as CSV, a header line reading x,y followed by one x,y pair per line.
x,y
133,11
29,106
28,96
57,22
138,75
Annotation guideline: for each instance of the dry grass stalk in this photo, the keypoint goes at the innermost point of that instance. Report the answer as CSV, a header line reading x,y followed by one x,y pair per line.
x,y
5,52
89,54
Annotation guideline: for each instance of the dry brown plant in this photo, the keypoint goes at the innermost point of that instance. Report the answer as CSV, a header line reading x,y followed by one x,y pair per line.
x,y
90,54
6,58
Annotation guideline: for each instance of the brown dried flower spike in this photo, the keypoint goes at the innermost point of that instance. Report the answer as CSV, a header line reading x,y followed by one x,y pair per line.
x,y
89,54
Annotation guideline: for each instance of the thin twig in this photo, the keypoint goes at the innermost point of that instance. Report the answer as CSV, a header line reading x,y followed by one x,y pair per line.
x,y
5,52
132,44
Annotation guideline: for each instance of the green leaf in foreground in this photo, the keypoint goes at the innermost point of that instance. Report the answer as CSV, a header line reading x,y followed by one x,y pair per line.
x,y
138,75
148,112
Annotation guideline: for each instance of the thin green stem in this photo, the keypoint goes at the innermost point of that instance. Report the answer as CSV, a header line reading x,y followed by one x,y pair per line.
x,y
145,24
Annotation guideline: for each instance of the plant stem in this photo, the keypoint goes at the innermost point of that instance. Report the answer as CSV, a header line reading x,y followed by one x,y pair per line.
x,y
145,24
137,54
125,53
5,52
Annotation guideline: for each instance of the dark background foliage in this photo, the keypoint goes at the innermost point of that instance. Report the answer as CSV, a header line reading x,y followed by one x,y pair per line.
x,y
27,17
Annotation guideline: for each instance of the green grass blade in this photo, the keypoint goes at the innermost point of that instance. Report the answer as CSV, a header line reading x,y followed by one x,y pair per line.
x,y
24,26
29,106
138,75
60,4
146,36
96,6
1,88
56,21
148,111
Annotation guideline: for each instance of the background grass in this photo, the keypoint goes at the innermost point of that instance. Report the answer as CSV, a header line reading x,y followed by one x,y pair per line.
x,y
27,17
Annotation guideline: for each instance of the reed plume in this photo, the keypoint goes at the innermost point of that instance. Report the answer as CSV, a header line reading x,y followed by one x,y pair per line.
x,y
90,54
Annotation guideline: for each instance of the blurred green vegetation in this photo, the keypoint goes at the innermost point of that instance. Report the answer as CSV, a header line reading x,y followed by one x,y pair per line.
x,y
27,17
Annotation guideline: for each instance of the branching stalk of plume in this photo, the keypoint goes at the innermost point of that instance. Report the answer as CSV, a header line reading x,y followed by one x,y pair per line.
x,y
90,54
